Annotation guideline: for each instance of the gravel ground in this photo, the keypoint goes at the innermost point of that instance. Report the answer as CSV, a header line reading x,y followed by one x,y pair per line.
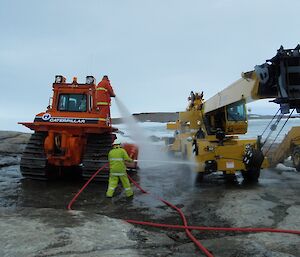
x,y
34,220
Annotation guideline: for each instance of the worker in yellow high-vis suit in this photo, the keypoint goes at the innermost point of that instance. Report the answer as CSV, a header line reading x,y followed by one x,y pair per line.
x,y
117,169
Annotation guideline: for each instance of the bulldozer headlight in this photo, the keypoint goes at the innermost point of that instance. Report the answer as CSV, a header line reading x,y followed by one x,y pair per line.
x,y
90,80
58,79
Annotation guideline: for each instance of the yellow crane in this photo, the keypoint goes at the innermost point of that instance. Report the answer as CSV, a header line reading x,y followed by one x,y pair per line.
x,y
207,131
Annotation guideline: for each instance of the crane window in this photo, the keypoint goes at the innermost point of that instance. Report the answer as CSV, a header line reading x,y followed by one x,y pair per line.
x,y
72,103
236,111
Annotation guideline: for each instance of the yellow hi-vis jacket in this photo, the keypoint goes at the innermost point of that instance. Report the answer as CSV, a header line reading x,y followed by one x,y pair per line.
x,y
116,158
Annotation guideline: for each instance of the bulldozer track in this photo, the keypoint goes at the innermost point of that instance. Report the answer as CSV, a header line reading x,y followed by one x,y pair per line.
x,y
33,161
95,155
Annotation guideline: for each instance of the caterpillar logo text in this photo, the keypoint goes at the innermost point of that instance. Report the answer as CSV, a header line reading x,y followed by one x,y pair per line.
x,y
67,120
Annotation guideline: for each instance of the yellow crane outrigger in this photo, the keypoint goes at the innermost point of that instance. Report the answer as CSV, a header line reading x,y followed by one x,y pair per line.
x,y
207,131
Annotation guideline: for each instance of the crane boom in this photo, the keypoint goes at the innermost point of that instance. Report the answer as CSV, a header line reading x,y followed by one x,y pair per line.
x,y
277,78
241,89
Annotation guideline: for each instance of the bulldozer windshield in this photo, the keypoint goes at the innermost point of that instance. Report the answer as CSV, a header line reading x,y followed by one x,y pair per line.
x,y
72,103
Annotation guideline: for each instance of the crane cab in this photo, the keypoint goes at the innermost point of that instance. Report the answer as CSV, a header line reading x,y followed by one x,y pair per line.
x,y
231,119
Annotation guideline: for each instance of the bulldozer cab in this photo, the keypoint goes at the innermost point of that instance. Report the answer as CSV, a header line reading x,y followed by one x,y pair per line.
x,y
72,102
73,97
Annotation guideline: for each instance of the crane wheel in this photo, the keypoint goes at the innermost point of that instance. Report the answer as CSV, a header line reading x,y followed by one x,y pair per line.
x,y
251,175
199,177
296,158
253,167
230,178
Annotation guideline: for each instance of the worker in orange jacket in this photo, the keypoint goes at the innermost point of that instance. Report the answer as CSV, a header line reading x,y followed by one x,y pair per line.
x,y
104,92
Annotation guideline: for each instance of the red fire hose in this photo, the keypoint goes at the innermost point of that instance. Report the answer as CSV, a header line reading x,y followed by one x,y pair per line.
x,y
84,186
187,231
185,226
159,225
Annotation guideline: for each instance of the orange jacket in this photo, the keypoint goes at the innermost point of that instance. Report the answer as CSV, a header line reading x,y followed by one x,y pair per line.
x,y
103,92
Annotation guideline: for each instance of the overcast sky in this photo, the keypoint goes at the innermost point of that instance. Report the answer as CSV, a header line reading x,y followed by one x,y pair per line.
x,y
155,52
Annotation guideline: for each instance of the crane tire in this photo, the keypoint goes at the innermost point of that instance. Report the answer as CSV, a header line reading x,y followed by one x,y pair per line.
x,y
253,168
251,175
199,177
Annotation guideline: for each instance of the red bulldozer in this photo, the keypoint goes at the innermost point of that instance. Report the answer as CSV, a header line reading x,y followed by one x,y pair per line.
x,y
71,134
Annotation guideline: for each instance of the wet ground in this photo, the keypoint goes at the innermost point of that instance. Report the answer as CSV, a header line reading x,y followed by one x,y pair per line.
x,y
34,220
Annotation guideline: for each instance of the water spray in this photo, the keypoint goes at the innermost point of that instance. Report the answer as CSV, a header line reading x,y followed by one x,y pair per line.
x,y
168,162
148,152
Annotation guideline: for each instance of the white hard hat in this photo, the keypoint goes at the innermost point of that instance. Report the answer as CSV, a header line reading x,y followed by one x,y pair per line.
x,y
117,142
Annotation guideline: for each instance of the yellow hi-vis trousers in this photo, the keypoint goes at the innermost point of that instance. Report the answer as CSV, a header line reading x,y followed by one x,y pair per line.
x,y
113,183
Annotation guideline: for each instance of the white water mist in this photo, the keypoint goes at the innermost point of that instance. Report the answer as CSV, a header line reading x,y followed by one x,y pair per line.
x,y
149,153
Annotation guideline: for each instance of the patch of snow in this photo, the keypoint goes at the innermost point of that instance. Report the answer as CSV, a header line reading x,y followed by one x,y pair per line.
x,y
282,167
